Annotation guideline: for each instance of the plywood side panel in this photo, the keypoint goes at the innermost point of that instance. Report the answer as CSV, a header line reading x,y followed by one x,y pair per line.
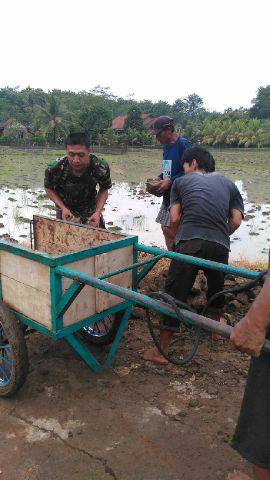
x,y
25,271
106,263
27,300
56,237
85,304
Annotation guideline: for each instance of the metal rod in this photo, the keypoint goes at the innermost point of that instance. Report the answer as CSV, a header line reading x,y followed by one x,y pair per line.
x,y
199,262
145,301
129,267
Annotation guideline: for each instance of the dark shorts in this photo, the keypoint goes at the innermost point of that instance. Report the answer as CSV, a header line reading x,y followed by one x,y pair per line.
x,y
83,220
252,435
181,276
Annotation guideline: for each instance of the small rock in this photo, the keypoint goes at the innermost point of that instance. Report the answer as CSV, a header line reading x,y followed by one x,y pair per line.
x,y
179,416
235,305
229,319
242,298
115,228
211,390
137,312
193,402
229,276
2,225
40,389
251,295
229,283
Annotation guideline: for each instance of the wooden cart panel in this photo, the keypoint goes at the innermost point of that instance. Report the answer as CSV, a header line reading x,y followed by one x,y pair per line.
x,y
26,287
26,282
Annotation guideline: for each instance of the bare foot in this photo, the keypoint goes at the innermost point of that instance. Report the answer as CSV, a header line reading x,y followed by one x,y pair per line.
x,y
236,475
154,356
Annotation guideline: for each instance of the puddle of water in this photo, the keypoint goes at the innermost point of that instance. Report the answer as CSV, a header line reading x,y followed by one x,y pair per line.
x,y
134,212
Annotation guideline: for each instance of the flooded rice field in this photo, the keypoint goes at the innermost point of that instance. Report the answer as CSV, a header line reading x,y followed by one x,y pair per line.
x,y
129,208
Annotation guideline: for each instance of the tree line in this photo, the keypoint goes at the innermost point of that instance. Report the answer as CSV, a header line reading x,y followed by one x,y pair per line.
x,y
48,116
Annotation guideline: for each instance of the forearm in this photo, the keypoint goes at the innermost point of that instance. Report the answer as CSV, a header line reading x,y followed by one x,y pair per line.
x,y
55,198
232,226
259,313
235,220
174,222
101,200
174,227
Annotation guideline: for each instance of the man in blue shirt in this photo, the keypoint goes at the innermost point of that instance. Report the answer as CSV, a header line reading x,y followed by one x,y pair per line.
x,y
172,168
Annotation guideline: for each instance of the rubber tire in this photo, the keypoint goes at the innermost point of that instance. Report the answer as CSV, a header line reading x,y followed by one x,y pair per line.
x,y
15,337
105,339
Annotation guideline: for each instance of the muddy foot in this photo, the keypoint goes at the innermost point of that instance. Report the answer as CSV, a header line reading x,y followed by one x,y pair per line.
x,y
154,356
236,475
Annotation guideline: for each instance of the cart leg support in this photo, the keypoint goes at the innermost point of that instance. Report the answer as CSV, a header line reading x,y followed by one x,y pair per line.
x,y
85,353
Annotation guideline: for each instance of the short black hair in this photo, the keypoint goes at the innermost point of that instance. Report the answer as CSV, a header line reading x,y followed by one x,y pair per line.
x,y
205,159
78,139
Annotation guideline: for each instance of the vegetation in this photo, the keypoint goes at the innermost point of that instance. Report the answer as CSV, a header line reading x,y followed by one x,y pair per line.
x,y
47,117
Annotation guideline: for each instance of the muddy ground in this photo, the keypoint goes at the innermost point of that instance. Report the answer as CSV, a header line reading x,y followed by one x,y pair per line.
x,y
135,421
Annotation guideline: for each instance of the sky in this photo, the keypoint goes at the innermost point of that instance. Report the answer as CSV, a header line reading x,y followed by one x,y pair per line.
x,y
147,49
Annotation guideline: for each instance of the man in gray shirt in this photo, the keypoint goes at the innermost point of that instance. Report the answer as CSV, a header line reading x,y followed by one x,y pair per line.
x,y
206,208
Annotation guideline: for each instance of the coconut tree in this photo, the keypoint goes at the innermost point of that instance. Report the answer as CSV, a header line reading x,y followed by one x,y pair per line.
x,y
53,118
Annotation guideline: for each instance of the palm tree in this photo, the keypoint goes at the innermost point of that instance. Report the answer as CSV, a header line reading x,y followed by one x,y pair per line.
x,y
54,117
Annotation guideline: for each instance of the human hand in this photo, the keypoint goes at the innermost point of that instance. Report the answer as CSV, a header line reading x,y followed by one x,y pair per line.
x,y
247,336
67,215
164,185
94,219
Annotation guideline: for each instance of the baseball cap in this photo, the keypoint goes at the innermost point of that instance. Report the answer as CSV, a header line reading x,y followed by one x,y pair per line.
x,y
161,123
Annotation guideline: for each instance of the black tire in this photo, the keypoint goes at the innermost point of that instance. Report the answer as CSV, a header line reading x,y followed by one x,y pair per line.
x,y
13,354
97,334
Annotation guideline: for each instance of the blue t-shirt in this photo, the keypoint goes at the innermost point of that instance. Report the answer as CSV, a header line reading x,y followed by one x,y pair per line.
x,y
172,166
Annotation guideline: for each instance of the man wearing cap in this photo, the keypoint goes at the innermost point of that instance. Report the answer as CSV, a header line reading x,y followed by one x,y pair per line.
x,y
172,167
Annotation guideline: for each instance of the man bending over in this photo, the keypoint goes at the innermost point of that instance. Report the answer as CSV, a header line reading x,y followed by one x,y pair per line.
x,y
206,208
71,181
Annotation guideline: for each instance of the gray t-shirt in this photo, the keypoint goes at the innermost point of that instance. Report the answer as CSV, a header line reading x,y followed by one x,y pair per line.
x,y
206,200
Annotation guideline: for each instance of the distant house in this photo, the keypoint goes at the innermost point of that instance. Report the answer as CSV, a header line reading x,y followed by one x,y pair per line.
x,y
4,124
147,118
13,126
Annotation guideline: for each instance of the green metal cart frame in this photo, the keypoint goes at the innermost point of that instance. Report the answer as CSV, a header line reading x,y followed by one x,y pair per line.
x,y
60,302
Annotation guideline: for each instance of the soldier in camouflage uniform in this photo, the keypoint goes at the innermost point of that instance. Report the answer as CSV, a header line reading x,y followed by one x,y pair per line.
x,y
71,181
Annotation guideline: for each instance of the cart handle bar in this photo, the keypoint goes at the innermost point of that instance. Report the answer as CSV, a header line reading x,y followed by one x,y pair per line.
x,y
147,302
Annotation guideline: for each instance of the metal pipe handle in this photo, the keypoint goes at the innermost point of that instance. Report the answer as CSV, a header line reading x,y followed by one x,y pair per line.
x,y
217,327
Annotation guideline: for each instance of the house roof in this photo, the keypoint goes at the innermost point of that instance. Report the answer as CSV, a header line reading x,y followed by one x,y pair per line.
x,y
119,122
6,123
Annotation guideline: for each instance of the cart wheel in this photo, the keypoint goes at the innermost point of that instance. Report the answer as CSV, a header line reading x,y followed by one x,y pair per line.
x,y
104,331
13,353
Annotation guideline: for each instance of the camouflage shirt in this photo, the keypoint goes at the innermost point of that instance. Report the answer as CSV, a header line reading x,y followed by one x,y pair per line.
x,y
79,194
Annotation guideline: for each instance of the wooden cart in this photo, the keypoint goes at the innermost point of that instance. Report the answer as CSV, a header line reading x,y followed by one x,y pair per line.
x,y
78,283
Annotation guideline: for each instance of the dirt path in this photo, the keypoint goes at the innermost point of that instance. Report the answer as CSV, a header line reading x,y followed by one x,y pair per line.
x,y
134,421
